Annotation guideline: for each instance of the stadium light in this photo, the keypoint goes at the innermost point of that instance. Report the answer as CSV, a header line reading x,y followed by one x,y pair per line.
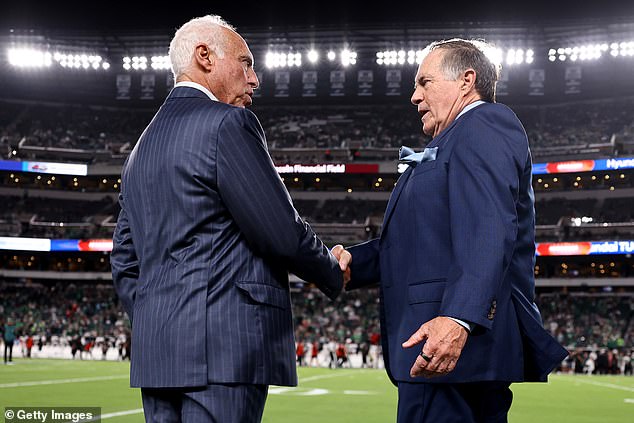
x,y
623,49
495,54
399,57
331,55
80,60
415,57
29,58
137,63
160,63
282,60
313,56
519,56
348,57
294,59
582,52
33,58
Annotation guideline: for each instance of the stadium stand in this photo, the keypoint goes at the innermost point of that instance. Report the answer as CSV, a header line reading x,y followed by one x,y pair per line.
x,y
57,314
312,134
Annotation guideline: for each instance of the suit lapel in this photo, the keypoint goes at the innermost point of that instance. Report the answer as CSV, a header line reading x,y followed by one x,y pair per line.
x,y
395,195
444,134
405,177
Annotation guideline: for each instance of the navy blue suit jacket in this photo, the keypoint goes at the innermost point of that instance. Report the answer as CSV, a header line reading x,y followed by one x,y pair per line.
x,y
204,242
458,240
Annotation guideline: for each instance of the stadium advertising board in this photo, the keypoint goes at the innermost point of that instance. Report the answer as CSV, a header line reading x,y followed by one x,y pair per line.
x,y
584,248
583,166
45,244
573,166
328,168
45,167
542,249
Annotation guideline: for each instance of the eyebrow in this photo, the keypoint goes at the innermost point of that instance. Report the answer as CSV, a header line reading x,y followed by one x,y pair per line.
x,y
425,76
247,58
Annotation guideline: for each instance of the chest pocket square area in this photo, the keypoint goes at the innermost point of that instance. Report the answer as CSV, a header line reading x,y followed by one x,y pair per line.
x,y
408,156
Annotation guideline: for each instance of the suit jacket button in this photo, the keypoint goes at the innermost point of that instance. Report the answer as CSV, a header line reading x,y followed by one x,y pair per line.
x,y
492,310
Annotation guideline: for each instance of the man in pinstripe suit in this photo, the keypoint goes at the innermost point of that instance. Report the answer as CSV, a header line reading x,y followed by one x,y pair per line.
x,y
204,242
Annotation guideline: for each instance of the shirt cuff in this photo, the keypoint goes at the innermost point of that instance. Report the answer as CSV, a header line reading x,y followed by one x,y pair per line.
x,y
466,325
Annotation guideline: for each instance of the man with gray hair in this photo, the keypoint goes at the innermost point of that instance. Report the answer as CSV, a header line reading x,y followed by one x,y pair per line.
x,y
457,250
204,242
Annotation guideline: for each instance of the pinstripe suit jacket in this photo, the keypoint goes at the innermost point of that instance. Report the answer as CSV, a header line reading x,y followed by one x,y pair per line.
x,y
205,239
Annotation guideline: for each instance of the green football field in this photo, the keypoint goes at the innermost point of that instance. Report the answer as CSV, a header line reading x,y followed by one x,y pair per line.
x,y
324,395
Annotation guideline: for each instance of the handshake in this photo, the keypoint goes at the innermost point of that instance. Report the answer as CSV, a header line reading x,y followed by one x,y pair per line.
x,y
345,259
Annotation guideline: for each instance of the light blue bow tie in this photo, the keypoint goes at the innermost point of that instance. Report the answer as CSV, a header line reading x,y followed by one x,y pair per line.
x,y
407,155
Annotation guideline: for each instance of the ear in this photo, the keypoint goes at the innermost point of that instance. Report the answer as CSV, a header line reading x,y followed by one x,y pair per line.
x,y
468,80
204,57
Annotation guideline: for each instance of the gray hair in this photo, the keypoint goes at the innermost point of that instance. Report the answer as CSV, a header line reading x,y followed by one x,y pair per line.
x,y
206,29
461,55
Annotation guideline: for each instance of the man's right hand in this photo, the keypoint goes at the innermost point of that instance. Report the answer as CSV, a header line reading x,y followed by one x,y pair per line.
x,y
345,259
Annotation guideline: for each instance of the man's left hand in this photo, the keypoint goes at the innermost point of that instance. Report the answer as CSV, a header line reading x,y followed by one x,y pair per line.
x,y
445,340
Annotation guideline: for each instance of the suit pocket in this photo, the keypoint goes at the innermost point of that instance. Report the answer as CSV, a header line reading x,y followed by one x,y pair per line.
x,y
428,291
266,294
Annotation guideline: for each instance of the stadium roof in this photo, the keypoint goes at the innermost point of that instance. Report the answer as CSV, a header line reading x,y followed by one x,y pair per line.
x,y
115,15
116,31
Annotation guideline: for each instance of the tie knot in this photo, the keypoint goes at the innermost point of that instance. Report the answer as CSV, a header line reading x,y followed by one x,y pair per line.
x,y
404,152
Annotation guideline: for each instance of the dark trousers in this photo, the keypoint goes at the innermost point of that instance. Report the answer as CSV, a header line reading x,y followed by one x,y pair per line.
x,y
8,347
230,403
448,403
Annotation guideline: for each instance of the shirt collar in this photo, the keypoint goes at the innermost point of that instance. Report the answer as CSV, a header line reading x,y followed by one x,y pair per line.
x,y
469,107
197,86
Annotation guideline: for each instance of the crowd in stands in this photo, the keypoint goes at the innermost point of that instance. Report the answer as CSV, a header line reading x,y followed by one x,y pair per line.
x,y
82,316
80,219
551,211
76,126
340,211
590,321
597,329
56,218
341,127
312,128
85,316
582,124
314,131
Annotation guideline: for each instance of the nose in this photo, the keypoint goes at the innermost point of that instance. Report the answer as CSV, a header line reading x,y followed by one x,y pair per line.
x,y
252,79
417,96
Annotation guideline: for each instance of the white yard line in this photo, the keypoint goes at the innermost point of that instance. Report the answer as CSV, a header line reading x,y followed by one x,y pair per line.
x,y
328,376
59,381
602,384
122,413
299,390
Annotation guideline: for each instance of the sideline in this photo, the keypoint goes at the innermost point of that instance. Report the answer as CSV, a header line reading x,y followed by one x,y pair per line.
x,y
339,373
121,413
602,384
59,381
